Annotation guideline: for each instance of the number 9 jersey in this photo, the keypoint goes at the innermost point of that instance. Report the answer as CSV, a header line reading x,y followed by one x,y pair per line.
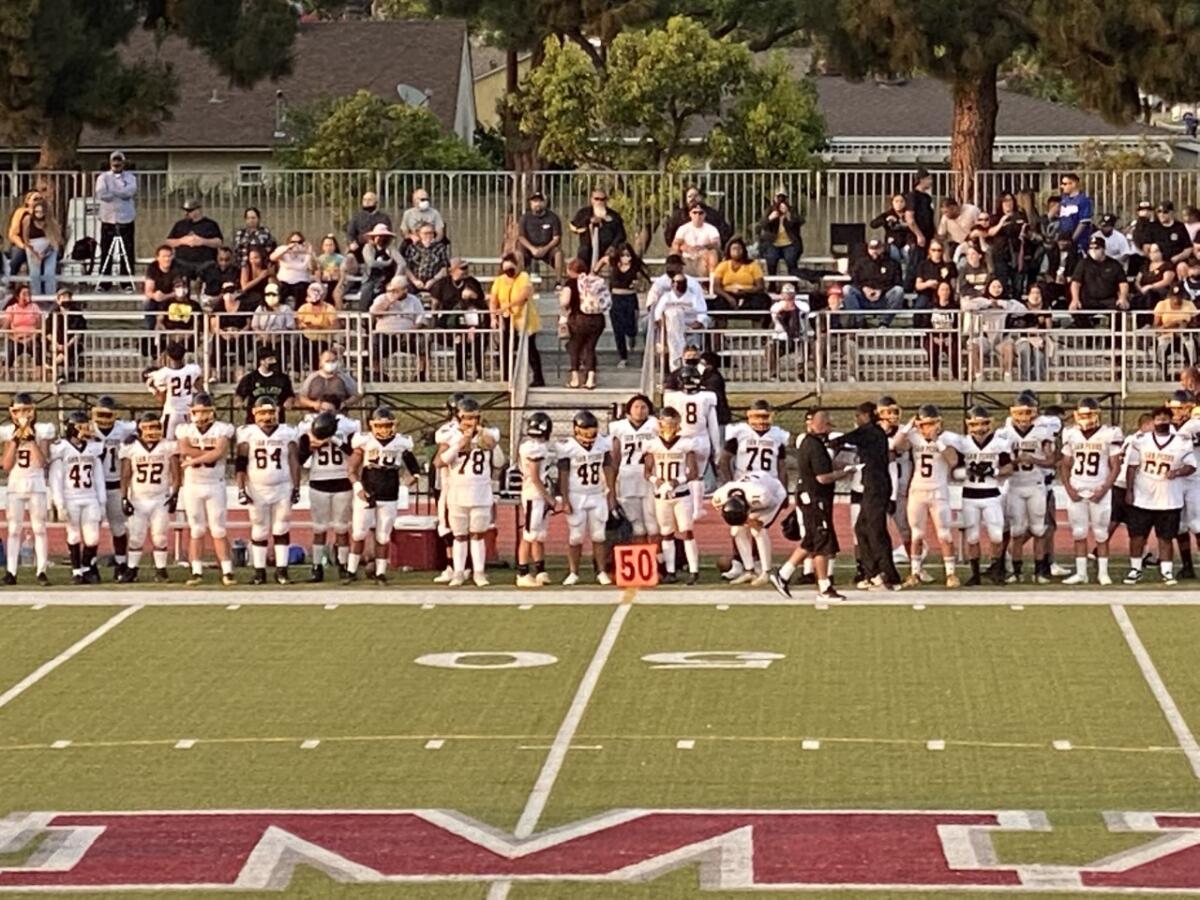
x,y
25,477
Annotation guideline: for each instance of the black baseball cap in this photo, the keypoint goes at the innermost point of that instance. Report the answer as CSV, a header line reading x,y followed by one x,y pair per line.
x,y
1096,240
1166,206
1108,220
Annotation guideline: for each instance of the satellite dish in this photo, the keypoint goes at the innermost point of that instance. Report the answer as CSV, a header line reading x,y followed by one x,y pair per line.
x,y
413,96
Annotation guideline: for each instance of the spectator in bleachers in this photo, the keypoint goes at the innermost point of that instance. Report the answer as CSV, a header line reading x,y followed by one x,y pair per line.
x,y
698,242
43,244
935,269
182,314
984,319
1143,231
598,228
1051,219
712,379
328,379
195,239
1027,339
789,318
1075,213
67,323
229,325
1187,275
428,260
900,233
1005,233
22,320
159,284
1172,315
271,322
626,273
295,268
1171,235
539,234
681,216
1061,261
941,340
1098,283
676,313
253,233
18,258
583,326
462,293
779,237
1191,221
317,320
115,193
226,268
396,314
421,213
1153,282
331,268
514,310
920,201
364,221
256,275
738,283
383,260
874,286
1031,241
1116,245
956,222
973,274
267,381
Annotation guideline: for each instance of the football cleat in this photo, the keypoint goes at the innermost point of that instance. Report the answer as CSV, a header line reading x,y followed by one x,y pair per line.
x,y
693,578
281,575
457,580
9,578
830,595
1169,580
543,578
912,581
42,580
777,581
194,580
317,576
162,576
260,577
571,580
480,579
952,581
527,581
760,579
227,579
1104,579
670,578
1077,578
1133,576
603,578
445,577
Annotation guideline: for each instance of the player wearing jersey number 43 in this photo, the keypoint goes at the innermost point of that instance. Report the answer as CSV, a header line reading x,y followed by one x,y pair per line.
x,y
77,489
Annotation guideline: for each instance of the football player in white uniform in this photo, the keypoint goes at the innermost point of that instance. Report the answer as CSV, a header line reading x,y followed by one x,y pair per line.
x,y
749,507
631,435
77,490
587,475
1159,465
1034,456
267,468
535,457
1088,467
1183,416
204,445
375,462
439,486
934,455
669,467
324,446
1122,497
175,386
112,433
26,454
889,413
987,460
149,490
471,453
756,447
698,423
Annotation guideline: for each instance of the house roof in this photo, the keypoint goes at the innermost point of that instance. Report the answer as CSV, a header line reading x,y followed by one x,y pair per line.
x,y
332,59
923,108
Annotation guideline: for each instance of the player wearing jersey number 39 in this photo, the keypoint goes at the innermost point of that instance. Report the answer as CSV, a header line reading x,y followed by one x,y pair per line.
x,y
1091,456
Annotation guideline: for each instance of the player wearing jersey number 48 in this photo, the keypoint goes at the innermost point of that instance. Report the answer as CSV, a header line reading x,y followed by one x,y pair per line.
x,y
268,479
587,475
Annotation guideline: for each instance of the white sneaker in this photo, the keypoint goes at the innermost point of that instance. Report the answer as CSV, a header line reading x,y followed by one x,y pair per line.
x,y
1059,571
924,577
1076,579
900,554
760,579
701,513
543,578
1104,579
445,577
457,580
480,580
864,585
527,581
744,578
603,578
735,571
571,579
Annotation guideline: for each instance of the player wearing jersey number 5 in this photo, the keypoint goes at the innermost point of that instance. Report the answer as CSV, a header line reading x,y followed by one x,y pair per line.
x,y
1091,456
268,480
934,455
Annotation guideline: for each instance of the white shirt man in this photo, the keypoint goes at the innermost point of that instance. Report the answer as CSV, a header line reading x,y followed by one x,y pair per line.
x,y
677,310
115,193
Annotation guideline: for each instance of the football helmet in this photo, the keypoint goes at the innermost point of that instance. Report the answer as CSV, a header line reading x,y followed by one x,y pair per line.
x,y
584,428
149,428
689,377
324,426
760,416
979,421
266,413
452,403
202,410
78,427
889,411
668,423
383,424
539,426
23,409
1181,404
1024,409
735,510
1087,414
929,420
104,412
468,413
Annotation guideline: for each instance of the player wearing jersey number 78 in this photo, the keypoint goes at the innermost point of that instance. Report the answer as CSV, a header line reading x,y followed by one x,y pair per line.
x,y
469,453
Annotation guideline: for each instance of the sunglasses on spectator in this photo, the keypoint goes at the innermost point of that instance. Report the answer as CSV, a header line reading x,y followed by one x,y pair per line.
x,y
599,197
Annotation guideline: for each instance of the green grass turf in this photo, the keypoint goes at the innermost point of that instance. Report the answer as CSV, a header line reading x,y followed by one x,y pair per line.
x,y
29,637
1172,637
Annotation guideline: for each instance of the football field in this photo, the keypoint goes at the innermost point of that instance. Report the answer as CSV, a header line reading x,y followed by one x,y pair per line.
x,y
417,743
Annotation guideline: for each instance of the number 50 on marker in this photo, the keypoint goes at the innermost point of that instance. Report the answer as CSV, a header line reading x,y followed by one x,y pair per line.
x,y
636,565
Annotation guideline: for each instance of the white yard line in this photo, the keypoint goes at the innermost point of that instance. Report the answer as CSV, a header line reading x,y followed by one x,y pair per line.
x,y
540,795
1183,734
74,650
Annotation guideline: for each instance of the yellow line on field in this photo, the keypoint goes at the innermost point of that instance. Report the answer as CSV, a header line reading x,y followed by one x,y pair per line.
x,y
628,595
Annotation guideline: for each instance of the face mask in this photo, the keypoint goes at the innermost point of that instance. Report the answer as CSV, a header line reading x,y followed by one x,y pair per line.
x,y
510,270
422,205
1162,427
1097,254
329,368
272,300
599,209
267,368
370,209
680,289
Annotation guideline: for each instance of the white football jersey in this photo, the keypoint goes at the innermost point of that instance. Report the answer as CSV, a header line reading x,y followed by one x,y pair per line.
x,y
762,492
756,453
380,455
1122,471
1191,431
470,482
697,413
330,461
541,455
669,461
1090,455
1031,442
121,431
586,465
267,461
982,462
150,469
26,477
179,385
931,472
210,473
1154,457
631,474
80,469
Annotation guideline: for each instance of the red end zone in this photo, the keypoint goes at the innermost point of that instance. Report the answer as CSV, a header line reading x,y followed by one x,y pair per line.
x,y
732,849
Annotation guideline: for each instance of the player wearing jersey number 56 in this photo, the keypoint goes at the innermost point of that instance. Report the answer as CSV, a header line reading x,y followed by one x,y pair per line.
x,y
26,453
1091,456
469,453
268,480
587,480
1158,465
77,489
325,448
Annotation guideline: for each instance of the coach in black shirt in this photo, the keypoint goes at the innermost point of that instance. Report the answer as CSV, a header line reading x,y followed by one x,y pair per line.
x,y
871,530
1098,282
195,239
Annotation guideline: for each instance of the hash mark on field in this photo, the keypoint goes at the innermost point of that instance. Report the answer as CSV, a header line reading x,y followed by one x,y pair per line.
x,y
435,744
185,744
60,745
331,606
310,744
233,606
38,607
918,606
525,607
1061,745
935,745
1016,607
685,745
810,745
427,606
821,606
722,606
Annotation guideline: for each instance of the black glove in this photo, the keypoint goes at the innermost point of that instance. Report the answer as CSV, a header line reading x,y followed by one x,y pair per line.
x,y
173,502
243,497
295,495
127,506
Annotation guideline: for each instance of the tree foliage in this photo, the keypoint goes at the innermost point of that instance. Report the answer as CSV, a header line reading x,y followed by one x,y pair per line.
x,y
63,65
364,131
